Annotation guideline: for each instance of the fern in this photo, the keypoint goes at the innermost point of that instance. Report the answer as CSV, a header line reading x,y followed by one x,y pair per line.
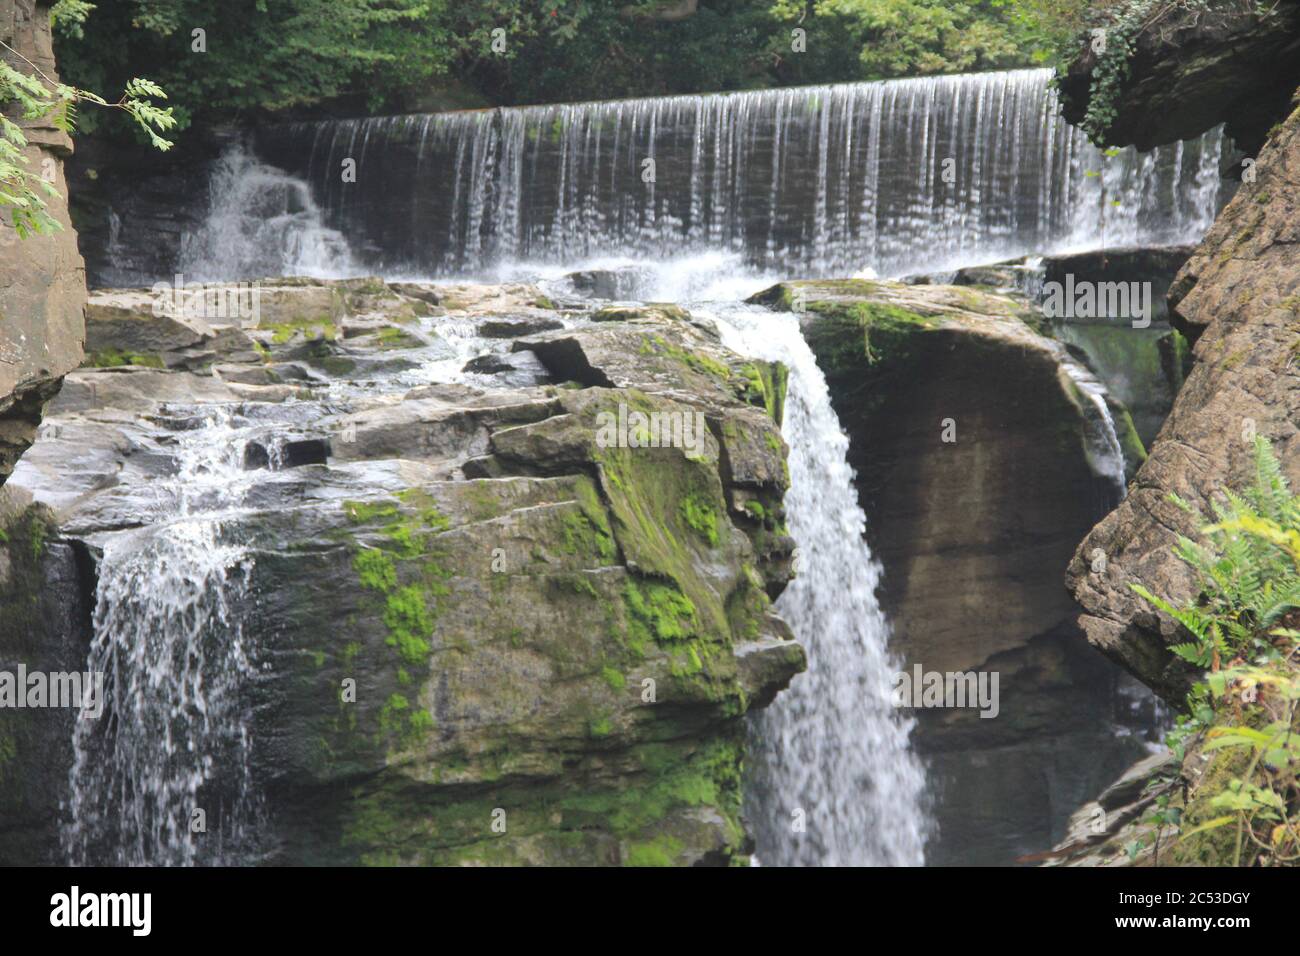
x,y
1248,568
1248,571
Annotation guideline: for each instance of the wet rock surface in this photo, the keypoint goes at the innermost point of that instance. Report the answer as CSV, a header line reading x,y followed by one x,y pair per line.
x,y
463,602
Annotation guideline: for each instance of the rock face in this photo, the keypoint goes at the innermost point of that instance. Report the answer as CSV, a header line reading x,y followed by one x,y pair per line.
x,y
1238,298
1193,67
984,513
42,278
501,619
973,534
133,206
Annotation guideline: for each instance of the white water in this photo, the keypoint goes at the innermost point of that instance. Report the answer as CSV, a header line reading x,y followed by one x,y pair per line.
x,y
169,638
261,222
898,176
832,746
1101,439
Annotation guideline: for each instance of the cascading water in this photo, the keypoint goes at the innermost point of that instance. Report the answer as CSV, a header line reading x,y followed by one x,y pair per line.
x,y
261,222
1102,447
832,751
169,638
895,177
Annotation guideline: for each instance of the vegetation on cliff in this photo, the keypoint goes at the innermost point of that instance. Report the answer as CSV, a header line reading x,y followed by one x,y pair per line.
x,y
1238,744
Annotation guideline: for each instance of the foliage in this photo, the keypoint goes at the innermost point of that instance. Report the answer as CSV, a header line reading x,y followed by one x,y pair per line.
x,y
377,55
1243,630
37,97
263,54
910,37
1249,573
1123,24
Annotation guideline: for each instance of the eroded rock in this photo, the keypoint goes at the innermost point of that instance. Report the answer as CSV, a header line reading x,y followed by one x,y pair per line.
x,y
1238,297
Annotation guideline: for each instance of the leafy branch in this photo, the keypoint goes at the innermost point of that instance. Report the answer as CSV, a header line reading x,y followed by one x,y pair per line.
x,y
36,96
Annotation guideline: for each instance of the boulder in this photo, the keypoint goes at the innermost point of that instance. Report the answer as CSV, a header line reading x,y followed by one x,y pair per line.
x,y
1191,67
514,328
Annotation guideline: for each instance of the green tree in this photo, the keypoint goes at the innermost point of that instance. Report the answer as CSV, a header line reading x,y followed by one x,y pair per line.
x,y
243,55
911,37
28,94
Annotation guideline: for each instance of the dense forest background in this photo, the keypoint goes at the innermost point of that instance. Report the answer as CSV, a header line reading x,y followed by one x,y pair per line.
x,y
248,58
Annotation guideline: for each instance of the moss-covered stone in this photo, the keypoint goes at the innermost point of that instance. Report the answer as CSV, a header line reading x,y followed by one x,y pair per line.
x,y
115,358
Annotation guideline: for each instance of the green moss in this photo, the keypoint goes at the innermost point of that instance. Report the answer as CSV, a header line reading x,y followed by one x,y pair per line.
x,y
321,326
484,504
576,584
22,592
115,358
391,337
365,512
645,488
543,302
1235,360
661,852
571,818
587,530
375,569
660,613
847,336
410,624
407,576
700,517
1135,453
613,677
764,384
409,725
695,361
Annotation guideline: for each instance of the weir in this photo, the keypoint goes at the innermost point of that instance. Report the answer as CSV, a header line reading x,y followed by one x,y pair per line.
x,y
887,178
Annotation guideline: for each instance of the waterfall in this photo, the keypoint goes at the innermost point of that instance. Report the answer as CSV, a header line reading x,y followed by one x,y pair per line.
x,y
702,194
170,640
1101,439
831,753
261,222
897,176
